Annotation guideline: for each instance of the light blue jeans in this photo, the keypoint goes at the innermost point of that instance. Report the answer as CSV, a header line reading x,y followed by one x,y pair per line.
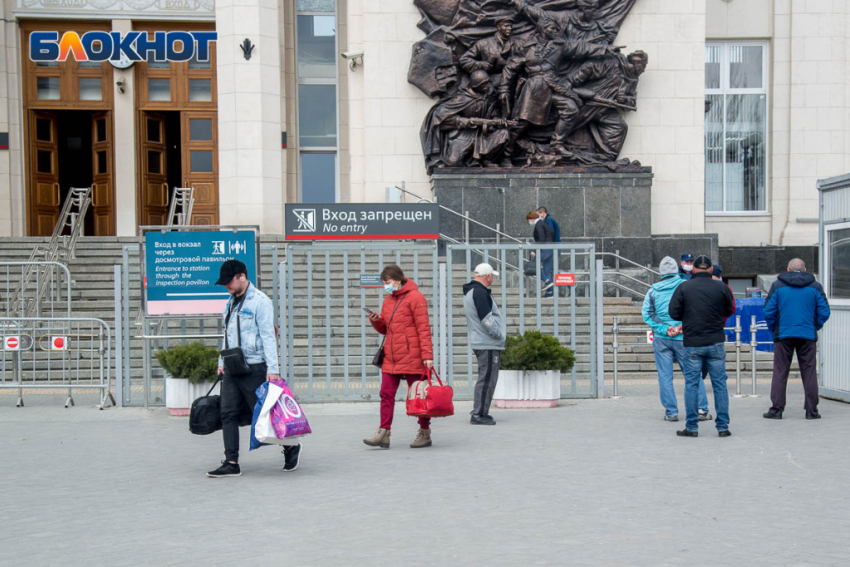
x,y
666,351
715,356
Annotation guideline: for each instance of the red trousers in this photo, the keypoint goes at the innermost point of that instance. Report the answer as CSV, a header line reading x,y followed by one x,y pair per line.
x,y
389,387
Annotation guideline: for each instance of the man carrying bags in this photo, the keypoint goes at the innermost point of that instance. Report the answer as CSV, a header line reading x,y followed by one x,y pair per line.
x,y
487,333
249,358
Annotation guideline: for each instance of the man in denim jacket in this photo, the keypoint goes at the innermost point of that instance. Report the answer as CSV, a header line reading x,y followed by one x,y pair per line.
x,y
248,312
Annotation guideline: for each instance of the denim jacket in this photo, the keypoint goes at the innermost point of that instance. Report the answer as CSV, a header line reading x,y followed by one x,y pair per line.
x,y
256,320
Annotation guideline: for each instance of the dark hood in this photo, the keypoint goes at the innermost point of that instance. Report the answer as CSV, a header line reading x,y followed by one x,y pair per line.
x,y
797,279
472,285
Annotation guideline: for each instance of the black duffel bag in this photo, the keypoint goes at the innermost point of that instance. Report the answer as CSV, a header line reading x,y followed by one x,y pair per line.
x,y
205,417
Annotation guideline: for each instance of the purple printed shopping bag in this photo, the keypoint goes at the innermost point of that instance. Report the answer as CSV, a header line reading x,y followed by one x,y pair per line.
x,y
288,419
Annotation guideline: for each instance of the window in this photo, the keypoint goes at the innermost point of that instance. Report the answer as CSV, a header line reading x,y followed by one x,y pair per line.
x,y
318,140
736,127
837,262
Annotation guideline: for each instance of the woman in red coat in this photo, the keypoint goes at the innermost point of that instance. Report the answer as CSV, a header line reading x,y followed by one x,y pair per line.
x,y
408,350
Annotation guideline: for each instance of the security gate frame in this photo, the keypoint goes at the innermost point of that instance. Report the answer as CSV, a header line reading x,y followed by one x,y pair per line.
x,y
510,260
344,385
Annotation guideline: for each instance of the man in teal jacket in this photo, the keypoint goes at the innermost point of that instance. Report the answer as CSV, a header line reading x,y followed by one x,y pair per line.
x,y
667,340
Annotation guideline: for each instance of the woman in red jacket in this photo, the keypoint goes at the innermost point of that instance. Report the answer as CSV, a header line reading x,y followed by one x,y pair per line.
x,y
408,350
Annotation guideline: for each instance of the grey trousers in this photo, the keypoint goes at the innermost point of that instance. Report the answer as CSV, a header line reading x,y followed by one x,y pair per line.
x,y
488,375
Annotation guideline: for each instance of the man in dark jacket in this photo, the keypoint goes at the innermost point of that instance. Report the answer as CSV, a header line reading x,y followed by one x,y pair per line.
x,y
543,235
702,305
551,222
795,310
487,334
686,266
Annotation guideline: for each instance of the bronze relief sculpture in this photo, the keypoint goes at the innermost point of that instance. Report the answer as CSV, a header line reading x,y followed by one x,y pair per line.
x,y
525,83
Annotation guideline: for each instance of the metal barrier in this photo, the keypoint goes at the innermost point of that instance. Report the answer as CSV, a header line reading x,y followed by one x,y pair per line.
x,y
36,289
570,314
61,353
616,330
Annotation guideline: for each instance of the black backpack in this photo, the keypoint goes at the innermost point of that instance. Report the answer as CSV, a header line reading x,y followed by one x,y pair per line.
x,y
205,417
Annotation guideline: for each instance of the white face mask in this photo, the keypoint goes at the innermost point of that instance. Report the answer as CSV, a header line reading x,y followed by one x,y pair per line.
x,y
687,267
389,288
533,222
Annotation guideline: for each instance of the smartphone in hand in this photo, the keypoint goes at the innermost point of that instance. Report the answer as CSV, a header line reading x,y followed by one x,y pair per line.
x,y
368,311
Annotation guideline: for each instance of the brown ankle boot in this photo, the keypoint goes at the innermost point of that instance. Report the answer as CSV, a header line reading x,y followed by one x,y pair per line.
x,y
380,439
423,439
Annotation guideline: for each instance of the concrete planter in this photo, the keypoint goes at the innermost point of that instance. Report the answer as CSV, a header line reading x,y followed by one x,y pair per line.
x,y
528,389
179,394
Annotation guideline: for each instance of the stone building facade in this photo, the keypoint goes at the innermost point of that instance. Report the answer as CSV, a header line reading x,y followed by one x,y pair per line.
x,y
298,123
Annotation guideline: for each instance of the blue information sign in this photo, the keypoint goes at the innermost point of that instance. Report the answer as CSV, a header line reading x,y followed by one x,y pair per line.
x,y
181,269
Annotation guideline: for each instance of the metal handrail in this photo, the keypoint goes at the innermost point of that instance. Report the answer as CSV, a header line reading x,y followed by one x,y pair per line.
x,y
624,288
627,276
645,268
454,212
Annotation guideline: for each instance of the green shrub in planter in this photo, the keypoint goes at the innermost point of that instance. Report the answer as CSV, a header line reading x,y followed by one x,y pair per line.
x,y
194,362
536,351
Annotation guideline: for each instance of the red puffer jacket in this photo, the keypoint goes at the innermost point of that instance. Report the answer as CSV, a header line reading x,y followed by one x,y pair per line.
x,y
409,337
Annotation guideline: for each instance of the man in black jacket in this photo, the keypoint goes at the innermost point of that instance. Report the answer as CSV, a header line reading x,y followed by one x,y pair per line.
x,y
702,305
543,235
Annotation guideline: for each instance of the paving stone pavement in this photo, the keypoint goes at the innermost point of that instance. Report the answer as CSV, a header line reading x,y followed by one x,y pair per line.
x,y
602,483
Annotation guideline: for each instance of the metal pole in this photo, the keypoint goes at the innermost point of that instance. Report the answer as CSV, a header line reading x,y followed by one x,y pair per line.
x,y
119,338
616,346
499,238
738,356
753,344
466,227
443,323
617,267
597,297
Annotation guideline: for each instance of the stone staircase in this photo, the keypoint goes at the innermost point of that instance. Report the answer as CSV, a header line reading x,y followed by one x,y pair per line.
x,y
93,290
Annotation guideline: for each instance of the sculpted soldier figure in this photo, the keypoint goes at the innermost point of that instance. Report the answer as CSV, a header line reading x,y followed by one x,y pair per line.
x,y
541,88
457,130
491,54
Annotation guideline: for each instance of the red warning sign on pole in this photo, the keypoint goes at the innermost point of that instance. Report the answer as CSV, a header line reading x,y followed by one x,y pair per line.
x,y
58,343
565,279
12,343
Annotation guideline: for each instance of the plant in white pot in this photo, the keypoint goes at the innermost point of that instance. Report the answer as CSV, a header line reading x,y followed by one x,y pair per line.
x,y
190,370
530,374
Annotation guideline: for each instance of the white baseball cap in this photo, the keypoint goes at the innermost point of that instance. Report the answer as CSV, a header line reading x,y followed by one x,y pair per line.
x,y
484,270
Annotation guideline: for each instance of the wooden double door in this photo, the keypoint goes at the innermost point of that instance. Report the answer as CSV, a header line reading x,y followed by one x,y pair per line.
x,y
71,149
178,149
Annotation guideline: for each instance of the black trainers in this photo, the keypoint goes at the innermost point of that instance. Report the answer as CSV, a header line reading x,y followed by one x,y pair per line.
x,y
482,420
810,415
687,433
724,433
226,469
772,415
292,456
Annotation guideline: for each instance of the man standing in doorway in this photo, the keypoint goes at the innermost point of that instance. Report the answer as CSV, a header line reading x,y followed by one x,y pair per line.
x,y
248,324
487,332
686,269
795,310
702,305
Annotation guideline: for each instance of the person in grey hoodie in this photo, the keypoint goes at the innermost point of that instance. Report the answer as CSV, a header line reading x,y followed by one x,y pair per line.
x,y
487,333
667,340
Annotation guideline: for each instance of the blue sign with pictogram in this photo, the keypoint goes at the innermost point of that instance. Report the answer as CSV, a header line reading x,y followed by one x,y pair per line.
x,y
181,269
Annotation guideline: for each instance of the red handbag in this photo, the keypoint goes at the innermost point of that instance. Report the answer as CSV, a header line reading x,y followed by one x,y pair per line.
x,y
424,399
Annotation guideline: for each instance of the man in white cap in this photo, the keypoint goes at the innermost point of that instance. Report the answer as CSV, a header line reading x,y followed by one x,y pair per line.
x,y
487,333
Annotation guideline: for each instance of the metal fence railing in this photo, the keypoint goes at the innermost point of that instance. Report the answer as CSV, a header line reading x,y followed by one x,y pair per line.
x,y
59,353
737,344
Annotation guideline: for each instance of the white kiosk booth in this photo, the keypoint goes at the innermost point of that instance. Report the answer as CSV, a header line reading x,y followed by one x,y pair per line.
x,y
835,275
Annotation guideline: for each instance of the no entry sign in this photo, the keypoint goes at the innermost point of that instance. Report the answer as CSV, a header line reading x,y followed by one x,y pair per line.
x,y
12,343
58,343
565,279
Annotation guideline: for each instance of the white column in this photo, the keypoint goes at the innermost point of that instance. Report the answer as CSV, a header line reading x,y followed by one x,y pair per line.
x,y
124,140
249,118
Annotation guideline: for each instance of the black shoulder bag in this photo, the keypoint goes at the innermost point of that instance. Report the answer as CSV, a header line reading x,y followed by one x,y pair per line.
x,y
378,359
234,358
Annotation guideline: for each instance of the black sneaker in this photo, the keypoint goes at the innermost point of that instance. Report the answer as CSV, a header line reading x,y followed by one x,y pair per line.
x,y
482,420
724,433
772,415
687,433
292,456
226,469
810,415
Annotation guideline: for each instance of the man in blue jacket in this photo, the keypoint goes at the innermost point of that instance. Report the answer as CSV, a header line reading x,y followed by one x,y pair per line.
x,y
795,310
667,340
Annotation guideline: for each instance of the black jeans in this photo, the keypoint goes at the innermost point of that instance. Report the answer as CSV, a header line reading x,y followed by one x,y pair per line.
x,y
238,398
